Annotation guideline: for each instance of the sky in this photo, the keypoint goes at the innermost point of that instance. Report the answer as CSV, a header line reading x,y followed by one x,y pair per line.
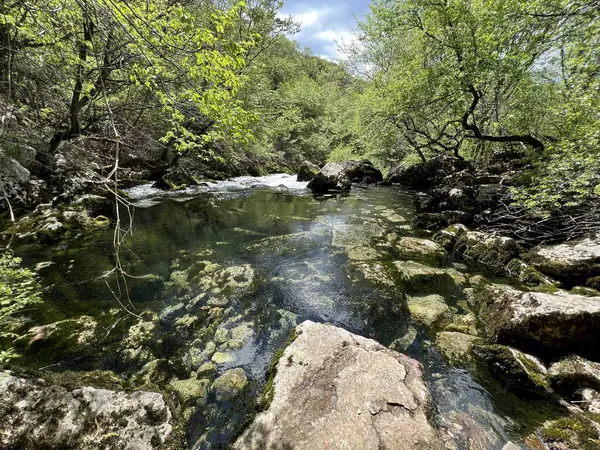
x,y
325,22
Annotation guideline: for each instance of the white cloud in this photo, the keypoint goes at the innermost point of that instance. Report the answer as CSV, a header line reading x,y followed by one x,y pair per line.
x,y
308,18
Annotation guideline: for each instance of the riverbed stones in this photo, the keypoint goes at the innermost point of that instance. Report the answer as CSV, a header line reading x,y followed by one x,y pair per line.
x,y
230,384
331,178
337,390
574,261
35,414
418,276
430,310
456,347
419,249
190,391
307,171
540,322
491,252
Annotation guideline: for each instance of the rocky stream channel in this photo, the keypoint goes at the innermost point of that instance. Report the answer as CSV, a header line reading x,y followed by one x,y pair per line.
x,y
230,283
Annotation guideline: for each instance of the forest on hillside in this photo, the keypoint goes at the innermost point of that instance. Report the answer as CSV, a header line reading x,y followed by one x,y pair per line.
x,y
217,88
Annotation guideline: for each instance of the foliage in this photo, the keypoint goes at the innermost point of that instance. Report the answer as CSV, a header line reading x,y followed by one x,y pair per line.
x,y
19,290
469,77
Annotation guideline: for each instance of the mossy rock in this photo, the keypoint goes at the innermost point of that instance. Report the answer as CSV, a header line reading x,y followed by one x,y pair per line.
x,y
190,391
529,276
422,250
456,347
577,431
230,384
489,252
430,311
419,277
516,371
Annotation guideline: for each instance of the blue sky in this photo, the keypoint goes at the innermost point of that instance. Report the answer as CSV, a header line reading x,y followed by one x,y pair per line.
x,y
324,22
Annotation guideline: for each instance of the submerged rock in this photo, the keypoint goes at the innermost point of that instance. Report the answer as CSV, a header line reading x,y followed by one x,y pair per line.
x,y
230,384
456,347
307,171
332,177
539,322
334,389
37,415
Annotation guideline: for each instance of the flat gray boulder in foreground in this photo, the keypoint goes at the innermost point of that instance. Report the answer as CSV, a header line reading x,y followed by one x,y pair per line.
x,y
336,390
35,414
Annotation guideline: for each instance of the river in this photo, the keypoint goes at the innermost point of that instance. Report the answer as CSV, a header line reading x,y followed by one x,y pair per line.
x,y
281,256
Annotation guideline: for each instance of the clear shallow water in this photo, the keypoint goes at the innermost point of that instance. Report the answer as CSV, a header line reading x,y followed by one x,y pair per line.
x,y
307,260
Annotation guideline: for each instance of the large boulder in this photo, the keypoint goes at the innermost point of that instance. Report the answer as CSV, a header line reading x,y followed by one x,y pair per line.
x,y
307,171
538,322
574,262
14,179
35,414
337,390
332,177
362,172
428,174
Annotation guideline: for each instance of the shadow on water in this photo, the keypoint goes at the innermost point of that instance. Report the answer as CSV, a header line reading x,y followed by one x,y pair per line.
x,y
304,252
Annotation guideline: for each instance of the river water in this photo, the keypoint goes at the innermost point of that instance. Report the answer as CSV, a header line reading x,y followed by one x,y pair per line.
x,y
279,256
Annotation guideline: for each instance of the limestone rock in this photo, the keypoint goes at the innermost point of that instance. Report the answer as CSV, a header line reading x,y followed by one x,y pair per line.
x,y
307,171
427,174
362,172
430,311
574,373
419,249
527,274
448,236
456,347
419,276
577,260
337,390
37,415
539,322
516,370
332,177
441,220
491,252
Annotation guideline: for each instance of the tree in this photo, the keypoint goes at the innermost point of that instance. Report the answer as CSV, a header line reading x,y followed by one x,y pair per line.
x,y
462,68
109,60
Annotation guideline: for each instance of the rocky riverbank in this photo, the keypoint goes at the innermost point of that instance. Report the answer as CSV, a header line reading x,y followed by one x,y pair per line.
x,y
208,324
